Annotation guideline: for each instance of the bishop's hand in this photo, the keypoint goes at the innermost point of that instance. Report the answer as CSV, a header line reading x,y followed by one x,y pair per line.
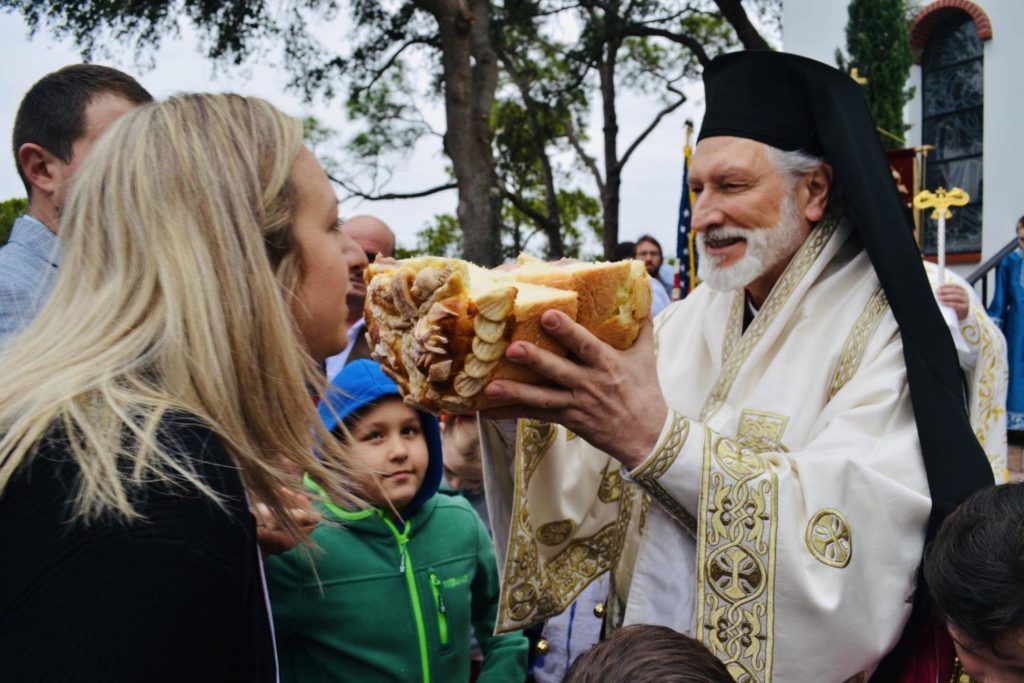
x,y
610,398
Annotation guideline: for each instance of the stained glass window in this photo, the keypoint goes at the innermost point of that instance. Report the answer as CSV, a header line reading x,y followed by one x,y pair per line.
x,y
952,91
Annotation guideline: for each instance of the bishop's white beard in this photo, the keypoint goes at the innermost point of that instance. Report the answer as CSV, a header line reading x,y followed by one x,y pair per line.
x,y
765,247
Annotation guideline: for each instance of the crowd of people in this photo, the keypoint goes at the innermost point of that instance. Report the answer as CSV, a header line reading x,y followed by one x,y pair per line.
x,y
205,476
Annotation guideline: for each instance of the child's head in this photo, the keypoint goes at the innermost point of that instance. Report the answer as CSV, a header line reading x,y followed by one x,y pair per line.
x,y
400,445
388,437
642,653
975,573
462,466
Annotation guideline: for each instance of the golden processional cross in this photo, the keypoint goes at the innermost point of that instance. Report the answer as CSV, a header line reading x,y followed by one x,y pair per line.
x,y
939,202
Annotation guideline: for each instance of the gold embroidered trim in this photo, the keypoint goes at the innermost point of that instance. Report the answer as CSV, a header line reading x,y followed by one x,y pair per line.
x,y
829,538
532,591
666,452
734,326
535,440
992,372
556,533
857,342
761,431
802,261
648,473
610,489
736,558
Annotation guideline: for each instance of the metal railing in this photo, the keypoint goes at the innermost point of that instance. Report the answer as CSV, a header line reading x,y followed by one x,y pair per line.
x,y
982,272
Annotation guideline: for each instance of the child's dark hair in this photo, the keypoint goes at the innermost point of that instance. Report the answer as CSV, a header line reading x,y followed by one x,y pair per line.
x,y
975,566
642,653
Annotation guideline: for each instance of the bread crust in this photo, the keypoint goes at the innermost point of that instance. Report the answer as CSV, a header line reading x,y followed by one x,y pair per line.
x,y
440,327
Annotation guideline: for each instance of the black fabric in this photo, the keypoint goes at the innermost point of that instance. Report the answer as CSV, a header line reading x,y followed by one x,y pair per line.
x,y
792,102
176,597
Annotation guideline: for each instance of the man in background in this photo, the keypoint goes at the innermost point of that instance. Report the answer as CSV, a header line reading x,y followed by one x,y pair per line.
x,y
375,238
59,120
649,251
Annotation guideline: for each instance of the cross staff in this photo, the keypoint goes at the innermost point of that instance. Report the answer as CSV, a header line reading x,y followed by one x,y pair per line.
x,y
940,202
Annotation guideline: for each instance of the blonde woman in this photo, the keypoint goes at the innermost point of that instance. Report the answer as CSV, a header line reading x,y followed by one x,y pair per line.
x,y
165,388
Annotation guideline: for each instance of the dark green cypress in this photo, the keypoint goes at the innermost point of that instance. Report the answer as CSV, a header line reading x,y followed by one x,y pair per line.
x,y
878,46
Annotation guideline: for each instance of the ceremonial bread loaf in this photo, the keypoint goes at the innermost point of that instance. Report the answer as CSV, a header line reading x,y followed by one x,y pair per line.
x,y
440,326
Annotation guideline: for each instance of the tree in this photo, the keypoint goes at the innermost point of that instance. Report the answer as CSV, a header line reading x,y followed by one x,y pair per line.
x,y
878,46
9,212
470,47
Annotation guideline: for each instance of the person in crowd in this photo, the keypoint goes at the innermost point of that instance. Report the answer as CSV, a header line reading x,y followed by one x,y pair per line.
x,y
1007,310
761,469
981,349
395,591
463,470
164,388
59,120
649,251
659,297
643,653
973,570
375,238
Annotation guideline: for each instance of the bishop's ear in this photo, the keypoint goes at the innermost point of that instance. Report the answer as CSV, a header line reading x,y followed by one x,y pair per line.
x,y
815,187
41,167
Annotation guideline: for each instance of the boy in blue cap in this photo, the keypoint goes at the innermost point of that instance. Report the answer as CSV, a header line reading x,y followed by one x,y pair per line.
x,y
395,591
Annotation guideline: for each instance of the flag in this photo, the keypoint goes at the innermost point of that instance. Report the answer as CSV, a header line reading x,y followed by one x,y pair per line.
x,y
686,263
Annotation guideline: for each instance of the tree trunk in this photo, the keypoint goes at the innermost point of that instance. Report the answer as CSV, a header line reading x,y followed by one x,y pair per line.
x,y
612,167
470,79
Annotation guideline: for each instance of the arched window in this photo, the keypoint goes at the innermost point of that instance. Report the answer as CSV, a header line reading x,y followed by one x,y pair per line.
x,y
952,92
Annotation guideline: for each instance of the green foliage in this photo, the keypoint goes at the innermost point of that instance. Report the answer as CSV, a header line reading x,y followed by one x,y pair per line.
x,y
441,237
878,46
9,212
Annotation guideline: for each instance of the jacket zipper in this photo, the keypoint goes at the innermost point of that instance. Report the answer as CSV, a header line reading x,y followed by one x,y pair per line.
x,y
405,567
442,610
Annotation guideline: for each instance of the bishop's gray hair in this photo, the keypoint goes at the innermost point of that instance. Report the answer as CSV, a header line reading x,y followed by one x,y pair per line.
x,y
794,164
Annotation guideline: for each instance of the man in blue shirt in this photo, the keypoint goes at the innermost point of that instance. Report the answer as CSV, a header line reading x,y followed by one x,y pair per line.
x,y
58,121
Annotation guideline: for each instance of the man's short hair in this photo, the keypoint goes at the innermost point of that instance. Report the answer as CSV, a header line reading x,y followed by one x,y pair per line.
x,y
623,251
643,653
52,113
649,238
975,566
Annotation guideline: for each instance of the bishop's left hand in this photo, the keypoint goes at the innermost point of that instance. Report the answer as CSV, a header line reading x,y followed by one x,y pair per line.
x,y
610,398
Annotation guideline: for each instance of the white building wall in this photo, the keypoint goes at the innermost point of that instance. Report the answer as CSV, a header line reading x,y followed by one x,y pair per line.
x,y
816,28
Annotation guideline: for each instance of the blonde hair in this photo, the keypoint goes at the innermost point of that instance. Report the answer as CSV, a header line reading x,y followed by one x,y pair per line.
x,y
462,436
177,266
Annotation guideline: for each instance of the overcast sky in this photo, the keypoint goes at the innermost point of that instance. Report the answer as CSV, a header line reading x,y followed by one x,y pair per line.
x,y
650,191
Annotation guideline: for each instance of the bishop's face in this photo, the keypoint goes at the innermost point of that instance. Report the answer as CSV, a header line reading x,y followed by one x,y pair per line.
x,y
747,215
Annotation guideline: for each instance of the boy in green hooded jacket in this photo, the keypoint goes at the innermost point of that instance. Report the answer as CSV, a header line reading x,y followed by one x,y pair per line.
x,y
397,590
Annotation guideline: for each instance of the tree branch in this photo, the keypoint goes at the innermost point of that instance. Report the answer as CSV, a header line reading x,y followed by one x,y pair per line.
x,y
379,73
647,131
683,39
588,161
533,214
355,192
737,17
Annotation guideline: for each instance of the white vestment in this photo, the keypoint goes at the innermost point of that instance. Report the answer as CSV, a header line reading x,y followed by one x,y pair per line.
x,y
781,517
981,347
